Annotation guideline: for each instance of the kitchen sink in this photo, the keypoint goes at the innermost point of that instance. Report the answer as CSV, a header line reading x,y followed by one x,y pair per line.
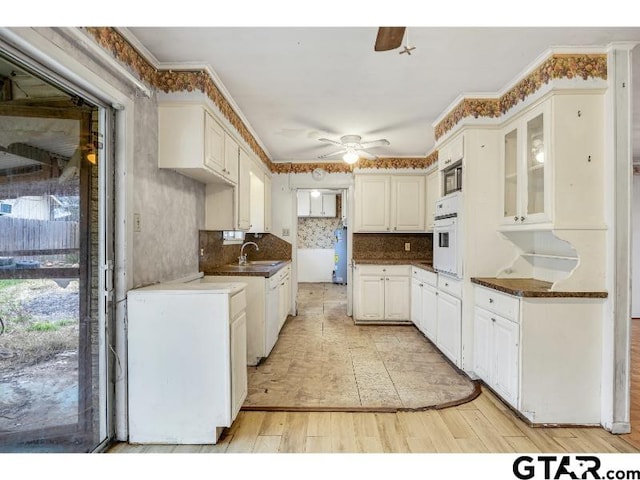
x,y
270,263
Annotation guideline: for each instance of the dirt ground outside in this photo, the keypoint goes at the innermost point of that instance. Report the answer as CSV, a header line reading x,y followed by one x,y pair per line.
x,y
38,354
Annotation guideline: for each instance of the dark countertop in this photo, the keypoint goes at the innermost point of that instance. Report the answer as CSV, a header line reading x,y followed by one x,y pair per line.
x,y
248,270
425,264
530,287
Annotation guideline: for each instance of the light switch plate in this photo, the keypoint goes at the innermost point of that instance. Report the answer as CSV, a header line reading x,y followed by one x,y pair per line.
x,y
407,247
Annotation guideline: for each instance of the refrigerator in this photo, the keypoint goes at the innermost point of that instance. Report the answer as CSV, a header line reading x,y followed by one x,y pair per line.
x,y
340,256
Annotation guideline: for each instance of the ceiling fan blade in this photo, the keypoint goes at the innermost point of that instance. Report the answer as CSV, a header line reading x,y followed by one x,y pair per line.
x,y
389,38
383,142
328,140
327,155
367,155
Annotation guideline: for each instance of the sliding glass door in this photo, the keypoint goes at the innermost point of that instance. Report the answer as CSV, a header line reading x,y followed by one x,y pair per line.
x,y
54,255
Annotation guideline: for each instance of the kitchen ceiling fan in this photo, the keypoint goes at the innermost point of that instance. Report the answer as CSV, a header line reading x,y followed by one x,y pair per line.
x,y
353,148
389,38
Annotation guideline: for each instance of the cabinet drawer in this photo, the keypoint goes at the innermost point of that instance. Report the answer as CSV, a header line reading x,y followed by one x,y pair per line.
x,y
430,278
496,302
384,269
238,303
452,286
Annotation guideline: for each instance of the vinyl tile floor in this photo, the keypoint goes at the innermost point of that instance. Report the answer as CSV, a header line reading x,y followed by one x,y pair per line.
x,y
324,361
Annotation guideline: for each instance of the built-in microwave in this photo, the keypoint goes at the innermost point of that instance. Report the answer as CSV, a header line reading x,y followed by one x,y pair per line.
x,y
452,178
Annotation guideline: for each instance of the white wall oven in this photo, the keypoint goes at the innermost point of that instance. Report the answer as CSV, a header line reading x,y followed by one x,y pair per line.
x,y
447,245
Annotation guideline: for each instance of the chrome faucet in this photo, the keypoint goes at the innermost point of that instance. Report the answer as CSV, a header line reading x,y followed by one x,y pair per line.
x,y
242,259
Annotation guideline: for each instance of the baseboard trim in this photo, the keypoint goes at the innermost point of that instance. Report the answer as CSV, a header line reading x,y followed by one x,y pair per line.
x,y
620,428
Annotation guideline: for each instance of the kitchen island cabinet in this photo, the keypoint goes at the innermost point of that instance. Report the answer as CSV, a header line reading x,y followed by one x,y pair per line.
x,y
187,369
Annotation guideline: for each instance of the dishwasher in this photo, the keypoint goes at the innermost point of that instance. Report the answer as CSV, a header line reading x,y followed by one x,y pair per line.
x,y
272,325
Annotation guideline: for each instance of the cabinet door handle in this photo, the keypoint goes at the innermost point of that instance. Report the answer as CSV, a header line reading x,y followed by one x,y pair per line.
x,y
387,228
395,228
515,219
387,279
382,278
522,219
421,285
493,319
491,300
446,284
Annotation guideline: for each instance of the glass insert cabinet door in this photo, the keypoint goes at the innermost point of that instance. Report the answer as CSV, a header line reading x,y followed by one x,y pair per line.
x,y
511,174
536,152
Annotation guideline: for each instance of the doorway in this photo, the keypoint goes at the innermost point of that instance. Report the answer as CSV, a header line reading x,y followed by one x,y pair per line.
x,y
322,246
53,246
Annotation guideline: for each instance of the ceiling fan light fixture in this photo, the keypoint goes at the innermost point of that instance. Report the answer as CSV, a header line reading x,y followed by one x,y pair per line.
x,y
350,157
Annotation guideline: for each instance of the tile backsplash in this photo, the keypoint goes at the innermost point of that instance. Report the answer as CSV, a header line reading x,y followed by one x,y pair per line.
x,y
370,246
216,254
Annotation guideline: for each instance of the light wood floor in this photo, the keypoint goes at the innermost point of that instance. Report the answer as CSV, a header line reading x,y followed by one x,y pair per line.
x,y
484,425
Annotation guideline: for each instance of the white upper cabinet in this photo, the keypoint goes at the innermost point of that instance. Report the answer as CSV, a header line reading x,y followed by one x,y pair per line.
x,y
231,158
267,204
451,152
193,143
260,200
304,203
316,205
408,203
433,194
527,164
553,163
372,203
390,203
243,192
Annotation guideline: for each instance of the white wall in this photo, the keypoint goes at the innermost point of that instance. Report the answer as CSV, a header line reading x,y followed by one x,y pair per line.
x,y
635,248
315,264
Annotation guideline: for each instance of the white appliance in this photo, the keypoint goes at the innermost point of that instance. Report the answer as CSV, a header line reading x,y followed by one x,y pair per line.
x,y
447,227
187,361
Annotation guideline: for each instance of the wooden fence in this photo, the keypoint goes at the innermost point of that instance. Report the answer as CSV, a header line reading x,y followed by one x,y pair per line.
x,y
25,237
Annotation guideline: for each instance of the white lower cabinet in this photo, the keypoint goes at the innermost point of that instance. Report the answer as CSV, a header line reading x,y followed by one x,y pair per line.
x,y
436,310
424,301
268,304
541,355
382,293
448,326
239,385
496,353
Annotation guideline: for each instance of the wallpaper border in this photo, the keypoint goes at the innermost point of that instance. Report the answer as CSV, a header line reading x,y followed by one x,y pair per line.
x,y
556,66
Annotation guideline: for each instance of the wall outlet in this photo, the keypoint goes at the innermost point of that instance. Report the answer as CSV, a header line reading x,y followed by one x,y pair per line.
x,y
285,232
137,226
407,247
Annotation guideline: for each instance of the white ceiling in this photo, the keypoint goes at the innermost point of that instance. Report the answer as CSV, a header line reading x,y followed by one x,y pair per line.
x,y
293,84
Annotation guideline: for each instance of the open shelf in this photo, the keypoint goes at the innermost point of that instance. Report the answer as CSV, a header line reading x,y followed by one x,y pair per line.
x,y
544,255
